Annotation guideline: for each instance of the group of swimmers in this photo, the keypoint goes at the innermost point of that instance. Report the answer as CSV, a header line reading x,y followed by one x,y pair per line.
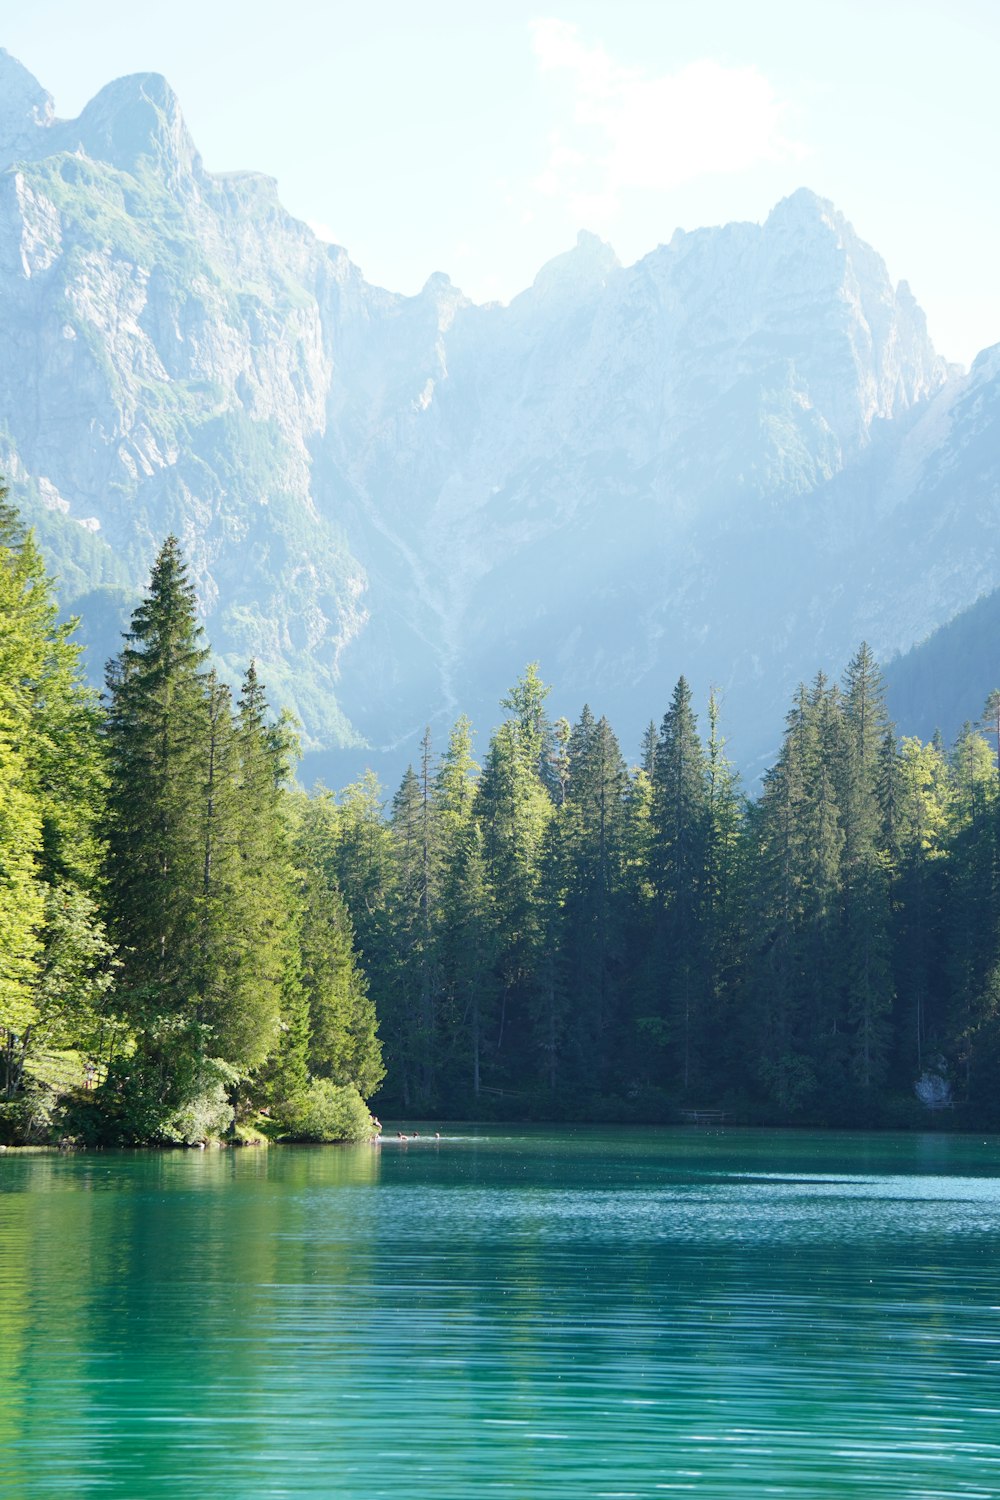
x,y
400,1135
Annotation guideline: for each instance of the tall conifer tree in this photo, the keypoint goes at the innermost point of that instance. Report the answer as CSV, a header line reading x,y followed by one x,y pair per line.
x,y
680,804
158,721
866,932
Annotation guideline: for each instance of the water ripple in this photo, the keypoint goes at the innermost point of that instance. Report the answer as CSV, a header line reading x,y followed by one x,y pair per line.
x,y
561,1314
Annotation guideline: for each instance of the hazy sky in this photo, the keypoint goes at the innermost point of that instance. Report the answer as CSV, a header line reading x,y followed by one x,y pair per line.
x,y
477,138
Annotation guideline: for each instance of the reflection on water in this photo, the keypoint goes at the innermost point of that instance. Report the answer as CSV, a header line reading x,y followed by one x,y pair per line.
x,y
570,1314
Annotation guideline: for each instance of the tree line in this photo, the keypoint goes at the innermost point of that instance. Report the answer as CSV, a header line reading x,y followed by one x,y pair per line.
x,y
192,946
176,961
559,935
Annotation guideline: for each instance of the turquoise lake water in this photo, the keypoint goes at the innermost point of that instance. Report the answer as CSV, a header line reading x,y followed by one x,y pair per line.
x,y
558,1313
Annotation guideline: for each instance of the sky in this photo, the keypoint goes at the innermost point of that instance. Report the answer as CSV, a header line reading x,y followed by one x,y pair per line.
x,y
477,139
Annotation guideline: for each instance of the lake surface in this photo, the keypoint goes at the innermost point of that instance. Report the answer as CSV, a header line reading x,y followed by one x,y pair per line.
x,y
512,1313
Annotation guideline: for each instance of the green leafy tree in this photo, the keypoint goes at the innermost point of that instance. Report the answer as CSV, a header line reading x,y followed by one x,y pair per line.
x,y
54,954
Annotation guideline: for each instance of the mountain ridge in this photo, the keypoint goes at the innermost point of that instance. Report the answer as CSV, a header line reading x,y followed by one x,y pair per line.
x,y
393,502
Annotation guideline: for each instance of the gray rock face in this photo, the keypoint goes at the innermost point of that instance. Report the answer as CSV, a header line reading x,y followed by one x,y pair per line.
x,y
25,113
707,462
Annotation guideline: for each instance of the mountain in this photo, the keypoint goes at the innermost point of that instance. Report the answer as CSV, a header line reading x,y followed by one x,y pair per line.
x,y
733,459
943,682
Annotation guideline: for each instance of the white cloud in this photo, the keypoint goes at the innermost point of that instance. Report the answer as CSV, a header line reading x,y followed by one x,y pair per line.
x,y
630,131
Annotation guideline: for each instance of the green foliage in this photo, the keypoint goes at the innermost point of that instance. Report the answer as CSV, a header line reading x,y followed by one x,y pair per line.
x,y
342,1028
200,882
184,938
680,860
159,730
596,941
54,956
208,1114
229,964
327,1112
28,1119
221,936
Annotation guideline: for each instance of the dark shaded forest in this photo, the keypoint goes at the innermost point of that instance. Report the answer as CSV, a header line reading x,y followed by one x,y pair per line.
x,y
562,935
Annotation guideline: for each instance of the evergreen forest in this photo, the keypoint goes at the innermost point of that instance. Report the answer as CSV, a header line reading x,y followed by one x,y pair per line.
x,y
193,948
176,961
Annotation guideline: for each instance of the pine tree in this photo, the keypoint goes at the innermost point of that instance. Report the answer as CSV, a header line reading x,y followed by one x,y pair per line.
x,y
158,720
795,882
866,927
428,967
723,903
923,798
222,889
553,1016
343,1041
468,959
821,843
463,955
773,1037
199,876
525,705
454,788
514,807
364,868
407,1042
971,899
594,918
641,1044
678,868
259,920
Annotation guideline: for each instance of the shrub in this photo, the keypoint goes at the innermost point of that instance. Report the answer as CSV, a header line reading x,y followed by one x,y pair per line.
x,y
326,1112
153,1100
207,1115
27,1119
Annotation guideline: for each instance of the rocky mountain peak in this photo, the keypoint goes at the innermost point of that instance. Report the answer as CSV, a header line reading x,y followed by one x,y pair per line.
x,y
595,249
582,271
133,120
986,365
441,298
806,209
439,287
25,110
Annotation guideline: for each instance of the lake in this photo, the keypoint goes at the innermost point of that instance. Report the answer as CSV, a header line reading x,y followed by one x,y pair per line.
x,y
506,1312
